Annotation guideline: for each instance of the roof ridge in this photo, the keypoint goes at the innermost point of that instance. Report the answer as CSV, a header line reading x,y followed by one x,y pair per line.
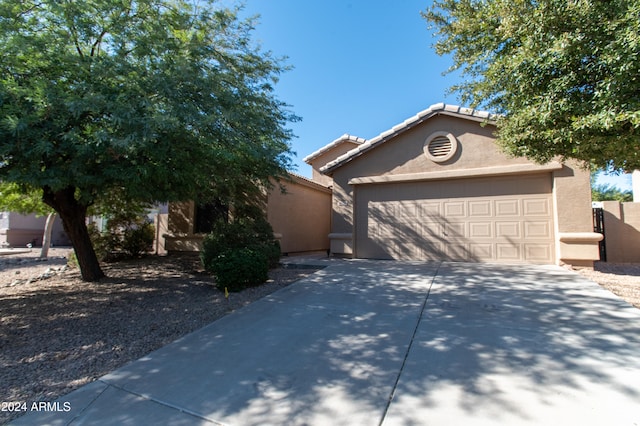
x,y
344,138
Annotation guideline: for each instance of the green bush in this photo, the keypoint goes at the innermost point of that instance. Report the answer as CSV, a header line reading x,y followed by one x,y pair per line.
x,y
139,240
240,253
240,268
122,239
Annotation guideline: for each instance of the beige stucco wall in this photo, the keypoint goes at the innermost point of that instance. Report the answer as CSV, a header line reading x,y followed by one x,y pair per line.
x,y
300,217
402,158
325,158
622,231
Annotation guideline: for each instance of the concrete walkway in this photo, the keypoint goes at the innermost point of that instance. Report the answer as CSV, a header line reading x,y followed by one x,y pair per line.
x,y
391,343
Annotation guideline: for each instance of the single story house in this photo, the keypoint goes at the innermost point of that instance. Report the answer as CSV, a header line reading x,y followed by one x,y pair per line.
x,y
300,218
435,186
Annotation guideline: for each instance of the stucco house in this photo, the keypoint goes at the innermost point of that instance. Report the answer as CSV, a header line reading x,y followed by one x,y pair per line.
x,y
435,186
300,217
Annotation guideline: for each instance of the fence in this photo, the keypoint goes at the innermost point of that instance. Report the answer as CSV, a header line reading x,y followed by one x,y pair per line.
x,y
620,225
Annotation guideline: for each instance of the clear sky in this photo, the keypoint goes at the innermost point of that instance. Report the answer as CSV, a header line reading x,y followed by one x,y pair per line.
x,y
359,67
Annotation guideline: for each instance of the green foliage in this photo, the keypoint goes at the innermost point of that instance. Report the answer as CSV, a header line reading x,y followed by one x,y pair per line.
x,y
610,193
564,74
156,100
124,237
246,241
22,199
606,192
240,268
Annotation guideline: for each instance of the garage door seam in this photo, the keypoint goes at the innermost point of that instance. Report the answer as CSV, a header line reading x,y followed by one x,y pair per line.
x,y
413,336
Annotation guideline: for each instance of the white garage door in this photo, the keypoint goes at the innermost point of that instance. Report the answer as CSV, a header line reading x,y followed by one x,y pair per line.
x,y
485,220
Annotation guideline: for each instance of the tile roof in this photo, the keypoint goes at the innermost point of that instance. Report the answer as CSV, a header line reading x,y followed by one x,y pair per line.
x,y
303,180
344,138
433,110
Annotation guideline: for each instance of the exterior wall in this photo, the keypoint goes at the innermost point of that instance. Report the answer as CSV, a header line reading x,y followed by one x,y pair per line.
x,y
17,230
578,245
180,236
325,158
402,159
622,231
300,217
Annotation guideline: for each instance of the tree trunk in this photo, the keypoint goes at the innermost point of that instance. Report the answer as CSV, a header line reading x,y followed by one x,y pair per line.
x,y
46,238
73,215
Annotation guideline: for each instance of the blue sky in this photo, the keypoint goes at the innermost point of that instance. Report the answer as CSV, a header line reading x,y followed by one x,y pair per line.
x,y
359,67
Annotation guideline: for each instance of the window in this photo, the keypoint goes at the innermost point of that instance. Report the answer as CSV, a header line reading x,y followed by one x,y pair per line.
x,y
206,215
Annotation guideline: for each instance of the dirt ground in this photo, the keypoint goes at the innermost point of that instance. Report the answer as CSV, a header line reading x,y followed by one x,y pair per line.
x,y
622,279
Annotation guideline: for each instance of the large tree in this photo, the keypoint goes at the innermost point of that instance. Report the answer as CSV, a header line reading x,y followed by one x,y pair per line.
x,y
156,100
564,75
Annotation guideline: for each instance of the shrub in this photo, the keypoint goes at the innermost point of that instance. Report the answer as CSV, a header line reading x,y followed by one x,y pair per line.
x,y
138,240
240,253
122,238
240,268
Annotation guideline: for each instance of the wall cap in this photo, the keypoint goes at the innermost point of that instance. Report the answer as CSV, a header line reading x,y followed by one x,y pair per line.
x,y
580,237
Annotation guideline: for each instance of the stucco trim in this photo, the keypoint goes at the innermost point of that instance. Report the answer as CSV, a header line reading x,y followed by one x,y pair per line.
x,y
514,169
433,110
580,237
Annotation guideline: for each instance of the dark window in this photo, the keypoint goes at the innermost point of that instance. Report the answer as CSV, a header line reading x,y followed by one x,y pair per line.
x,y
207,214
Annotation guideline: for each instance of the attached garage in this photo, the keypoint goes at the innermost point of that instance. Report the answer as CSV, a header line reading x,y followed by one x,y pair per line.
x,y
437,187
502,219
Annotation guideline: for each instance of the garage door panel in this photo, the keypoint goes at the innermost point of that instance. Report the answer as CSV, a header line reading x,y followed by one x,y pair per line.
x,y
455,230
507,252
538,229
480,208
538,252
507,207
510,229
478,220
429,209
536,207
480,230
457,251
453,209
482,252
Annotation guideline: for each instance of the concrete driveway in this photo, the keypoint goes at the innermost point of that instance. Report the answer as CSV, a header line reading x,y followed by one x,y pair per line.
x,y
391,343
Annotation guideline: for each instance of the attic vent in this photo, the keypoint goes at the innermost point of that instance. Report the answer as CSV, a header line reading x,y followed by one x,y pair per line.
x,y
440,146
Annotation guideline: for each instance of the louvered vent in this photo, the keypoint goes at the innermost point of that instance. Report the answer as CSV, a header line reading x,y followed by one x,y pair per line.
x,y
440,147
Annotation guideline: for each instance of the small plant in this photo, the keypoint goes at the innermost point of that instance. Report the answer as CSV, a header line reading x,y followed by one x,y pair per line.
x,y
241,268
240,253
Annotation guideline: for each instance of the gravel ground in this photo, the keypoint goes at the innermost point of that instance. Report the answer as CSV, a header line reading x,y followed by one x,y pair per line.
x,y
58,333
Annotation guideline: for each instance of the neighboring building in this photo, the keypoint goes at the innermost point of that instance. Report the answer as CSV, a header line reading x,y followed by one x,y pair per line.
x,y
18,230
433,187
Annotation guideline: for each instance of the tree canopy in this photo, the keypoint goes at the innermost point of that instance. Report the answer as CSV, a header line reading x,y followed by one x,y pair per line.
x,y
156,100
563,75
